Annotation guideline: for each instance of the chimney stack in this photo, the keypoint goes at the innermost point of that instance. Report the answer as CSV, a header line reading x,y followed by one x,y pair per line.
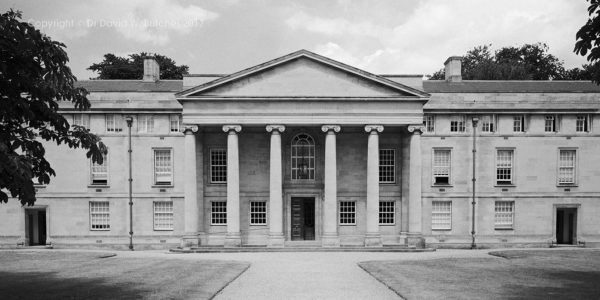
x,y
453,69
151,69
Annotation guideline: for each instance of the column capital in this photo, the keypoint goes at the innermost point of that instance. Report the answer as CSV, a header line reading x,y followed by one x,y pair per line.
x,y
416,129
190,128
275,127
374,128
334,128
229,128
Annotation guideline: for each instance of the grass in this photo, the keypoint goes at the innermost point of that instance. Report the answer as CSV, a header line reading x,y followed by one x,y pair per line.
x,y
514,274
85,275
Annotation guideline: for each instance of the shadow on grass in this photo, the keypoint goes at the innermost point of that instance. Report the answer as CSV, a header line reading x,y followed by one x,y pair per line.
x,y
568,285
47,285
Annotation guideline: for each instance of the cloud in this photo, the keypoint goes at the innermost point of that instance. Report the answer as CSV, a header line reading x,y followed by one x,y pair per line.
x,y
436,29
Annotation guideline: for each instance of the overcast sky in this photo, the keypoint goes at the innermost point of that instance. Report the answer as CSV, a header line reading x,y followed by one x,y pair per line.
x,y
383,37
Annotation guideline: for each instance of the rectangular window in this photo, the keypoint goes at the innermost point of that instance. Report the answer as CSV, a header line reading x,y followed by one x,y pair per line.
x,y
504,214
114,123
99,173
583,123
457,123
145,123
519,123
347,212
258,213
163,167
441,215
81,120
488,123
504,166
99,216
429,123
175,121
551,123
387,165
387,211
218,213
163,215
441,166
566,166
218,166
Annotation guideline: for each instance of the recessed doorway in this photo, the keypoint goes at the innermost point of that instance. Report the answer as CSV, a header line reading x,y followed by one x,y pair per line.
x,y
302,219
566,229
35,222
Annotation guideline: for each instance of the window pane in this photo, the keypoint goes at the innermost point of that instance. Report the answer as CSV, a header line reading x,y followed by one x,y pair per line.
x,y
258,213
175,123
99,173
347,212
386,212
457,123
218,165
441,166
218,213
163,215
163,166
99,216
387,164
504,214
441,215
303,157
566,167
504,166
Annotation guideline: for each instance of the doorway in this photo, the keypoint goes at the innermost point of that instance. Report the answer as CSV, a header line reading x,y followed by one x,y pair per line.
x,y
35,220
303,219
566,230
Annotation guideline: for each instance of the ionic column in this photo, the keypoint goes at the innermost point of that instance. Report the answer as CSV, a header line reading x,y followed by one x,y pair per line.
x,y
373,237
330,234
190,238
233,237
275,188
414,190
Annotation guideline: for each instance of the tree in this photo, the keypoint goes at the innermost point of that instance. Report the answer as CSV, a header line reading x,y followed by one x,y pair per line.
x,y
588,40
527,62
132,67
34,77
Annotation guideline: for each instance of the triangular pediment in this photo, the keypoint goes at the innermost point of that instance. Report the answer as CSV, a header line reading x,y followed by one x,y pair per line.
x,y
302,74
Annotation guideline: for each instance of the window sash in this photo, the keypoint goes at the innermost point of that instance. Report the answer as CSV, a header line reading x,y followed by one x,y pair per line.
x,y
163,215
347,213
442,165
81,120
457,123
258,213
441,215
175,123
163,166
218,166
218,213
519,123
99,215
99,173
488,123
504,166
504,214
387,212
387,165
567,166
302,148
582,123
429,122
114,123
145,123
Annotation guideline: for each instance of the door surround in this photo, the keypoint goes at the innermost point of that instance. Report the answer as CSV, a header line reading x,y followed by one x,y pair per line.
x,y
27,222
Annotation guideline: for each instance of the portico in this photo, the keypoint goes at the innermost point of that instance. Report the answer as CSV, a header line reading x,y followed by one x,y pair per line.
x,y
303,126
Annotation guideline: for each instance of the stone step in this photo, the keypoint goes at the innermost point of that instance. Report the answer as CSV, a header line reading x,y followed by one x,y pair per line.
x,y
567,246
215,249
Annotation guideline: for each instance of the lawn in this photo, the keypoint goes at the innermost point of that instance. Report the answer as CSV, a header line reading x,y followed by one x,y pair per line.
x,y
513,274
87,275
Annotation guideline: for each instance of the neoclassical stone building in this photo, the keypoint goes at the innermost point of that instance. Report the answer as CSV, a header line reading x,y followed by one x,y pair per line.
x,y
305,151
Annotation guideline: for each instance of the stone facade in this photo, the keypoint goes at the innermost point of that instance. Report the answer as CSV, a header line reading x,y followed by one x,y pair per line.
x,y
361,126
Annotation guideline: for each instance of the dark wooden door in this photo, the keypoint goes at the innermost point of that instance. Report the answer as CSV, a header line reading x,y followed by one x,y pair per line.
x,y
565,225
42,227
303,219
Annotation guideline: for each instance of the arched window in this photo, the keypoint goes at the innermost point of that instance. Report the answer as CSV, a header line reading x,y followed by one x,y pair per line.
x,y
303,157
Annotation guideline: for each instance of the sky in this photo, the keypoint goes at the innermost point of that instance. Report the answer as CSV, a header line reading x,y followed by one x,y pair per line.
x,y
379,36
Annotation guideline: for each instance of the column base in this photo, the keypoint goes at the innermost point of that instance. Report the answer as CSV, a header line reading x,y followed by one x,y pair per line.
x,y
330,240
275,241
415,240
373,239
190,240
233,240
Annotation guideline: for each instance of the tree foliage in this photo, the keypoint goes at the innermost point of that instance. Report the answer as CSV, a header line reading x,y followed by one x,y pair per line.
x,y
34,78
588,40
132,67
527,62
